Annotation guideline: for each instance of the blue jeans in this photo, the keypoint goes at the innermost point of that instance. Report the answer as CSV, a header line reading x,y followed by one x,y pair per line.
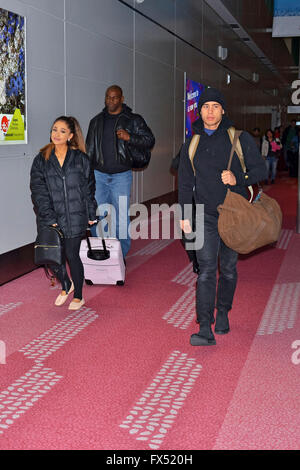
x,y
113,197
271,164
209,292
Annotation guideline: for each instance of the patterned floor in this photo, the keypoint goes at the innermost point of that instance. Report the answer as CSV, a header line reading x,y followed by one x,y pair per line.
x,y
120,374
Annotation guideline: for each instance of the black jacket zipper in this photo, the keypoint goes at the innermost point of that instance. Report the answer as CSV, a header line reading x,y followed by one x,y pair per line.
x,y
67,205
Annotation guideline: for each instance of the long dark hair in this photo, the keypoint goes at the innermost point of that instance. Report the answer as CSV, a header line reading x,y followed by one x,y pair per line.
x,y
266,134
77,141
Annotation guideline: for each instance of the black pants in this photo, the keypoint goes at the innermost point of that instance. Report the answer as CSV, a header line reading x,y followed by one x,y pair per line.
x,y
208,294
71,254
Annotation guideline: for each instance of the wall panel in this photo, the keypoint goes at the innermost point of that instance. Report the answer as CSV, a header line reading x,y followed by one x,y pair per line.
x,y
48,91
107,18
156,88
76,49
153,41
54,8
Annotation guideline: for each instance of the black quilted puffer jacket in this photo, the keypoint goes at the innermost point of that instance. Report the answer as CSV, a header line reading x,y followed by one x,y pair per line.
x,y
64,195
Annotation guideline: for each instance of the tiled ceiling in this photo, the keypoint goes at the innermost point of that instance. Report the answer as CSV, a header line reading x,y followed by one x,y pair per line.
x,y
276,65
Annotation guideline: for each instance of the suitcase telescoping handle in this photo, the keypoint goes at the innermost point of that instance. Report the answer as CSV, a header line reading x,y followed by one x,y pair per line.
x,y
106,252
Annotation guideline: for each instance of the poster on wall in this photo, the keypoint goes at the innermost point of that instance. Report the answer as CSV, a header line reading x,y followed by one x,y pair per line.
x,y
286,22
12,79
193,93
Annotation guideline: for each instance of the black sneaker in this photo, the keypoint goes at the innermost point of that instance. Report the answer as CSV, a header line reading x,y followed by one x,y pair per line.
x,y
198,340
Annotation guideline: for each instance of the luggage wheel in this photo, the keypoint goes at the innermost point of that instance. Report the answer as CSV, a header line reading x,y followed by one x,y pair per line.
x,y
120,283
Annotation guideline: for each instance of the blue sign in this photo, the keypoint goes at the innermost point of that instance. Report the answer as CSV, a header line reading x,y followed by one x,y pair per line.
x,y
286,21
193,92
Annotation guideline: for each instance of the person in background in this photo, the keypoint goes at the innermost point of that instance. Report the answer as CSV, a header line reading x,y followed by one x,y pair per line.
x,y
63,188
278,133
109,136
209,186
288,134
270,151
257,136
293,155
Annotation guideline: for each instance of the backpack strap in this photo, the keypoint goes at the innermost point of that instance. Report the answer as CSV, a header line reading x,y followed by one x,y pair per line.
x,y
193,147
239,151
231,132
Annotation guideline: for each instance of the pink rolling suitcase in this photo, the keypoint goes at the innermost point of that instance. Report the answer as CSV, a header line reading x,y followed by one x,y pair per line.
x,y
102,261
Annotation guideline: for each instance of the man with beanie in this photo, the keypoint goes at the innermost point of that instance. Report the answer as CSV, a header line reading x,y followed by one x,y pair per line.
x,y
209,186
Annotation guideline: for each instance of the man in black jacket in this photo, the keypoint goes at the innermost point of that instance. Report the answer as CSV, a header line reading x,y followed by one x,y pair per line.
x,y
112,137
208,186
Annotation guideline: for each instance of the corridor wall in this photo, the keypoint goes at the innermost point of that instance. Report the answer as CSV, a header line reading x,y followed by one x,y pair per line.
x,y
76,49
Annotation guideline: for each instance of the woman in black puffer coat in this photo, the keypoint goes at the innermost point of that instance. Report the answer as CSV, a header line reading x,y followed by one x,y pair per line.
x,y
63,188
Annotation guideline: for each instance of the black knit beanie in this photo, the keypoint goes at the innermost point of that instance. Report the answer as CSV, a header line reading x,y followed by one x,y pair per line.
x,y
211,94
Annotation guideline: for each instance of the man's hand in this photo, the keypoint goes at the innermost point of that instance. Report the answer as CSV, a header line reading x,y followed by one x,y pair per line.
x,y
185,226
228,178
123,135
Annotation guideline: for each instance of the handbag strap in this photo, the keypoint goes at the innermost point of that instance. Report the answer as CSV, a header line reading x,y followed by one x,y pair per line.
x,y
233,148
239,151
236,147
58,231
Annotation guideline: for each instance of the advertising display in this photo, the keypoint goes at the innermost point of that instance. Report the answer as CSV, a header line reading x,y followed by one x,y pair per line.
x,y
12,79
286,22
193,93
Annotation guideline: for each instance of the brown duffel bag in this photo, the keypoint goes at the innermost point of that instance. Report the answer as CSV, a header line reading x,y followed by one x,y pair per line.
x,y
245,226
